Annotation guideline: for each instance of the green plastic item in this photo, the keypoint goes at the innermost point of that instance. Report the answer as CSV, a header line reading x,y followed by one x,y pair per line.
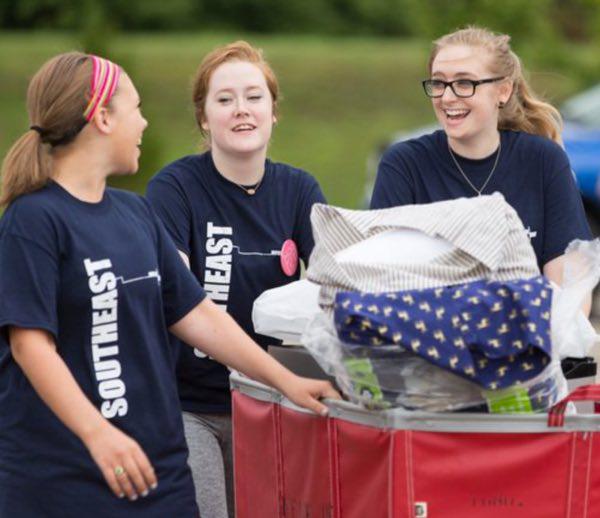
x,y
365,381
513,400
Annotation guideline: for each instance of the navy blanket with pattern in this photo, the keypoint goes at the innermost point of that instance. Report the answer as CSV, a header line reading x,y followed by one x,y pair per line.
x,y
496,334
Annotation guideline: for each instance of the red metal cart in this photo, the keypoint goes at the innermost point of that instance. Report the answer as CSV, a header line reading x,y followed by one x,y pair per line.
x,y
362,464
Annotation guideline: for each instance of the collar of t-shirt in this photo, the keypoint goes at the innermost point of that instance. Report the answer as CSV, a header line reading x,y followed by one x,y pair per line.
x,y
239,187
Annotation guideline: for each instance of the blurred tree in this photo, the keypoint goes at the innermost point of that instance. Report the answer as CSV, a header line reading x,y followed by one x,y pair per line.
x,y
514,17
95,27
312,16
56,14
387,17
158,14
534,19
8,11
577,19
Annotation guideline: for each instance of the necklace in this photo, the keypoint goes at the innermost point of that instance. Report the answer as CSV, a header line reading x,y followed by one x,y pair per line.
x,y
478,191
250,190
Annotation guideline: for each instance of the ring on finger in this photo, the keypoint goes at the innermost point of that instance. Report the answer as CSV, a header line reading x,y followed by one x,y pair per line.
x,y
119,471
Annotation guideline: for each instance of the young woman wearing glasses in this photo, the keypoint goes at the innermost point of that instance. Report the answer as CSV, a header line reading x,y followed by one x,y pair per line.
x,y
496,136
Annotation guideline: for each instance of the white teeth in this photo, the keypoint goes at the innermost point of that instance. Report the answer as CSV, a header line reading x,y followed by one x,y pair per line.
x,y
242,127
455,112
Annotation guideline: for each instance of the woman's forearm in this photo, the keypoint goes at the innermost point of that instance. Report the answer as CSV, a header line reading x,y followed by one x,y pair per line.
x,y
212,330
35,352
554,270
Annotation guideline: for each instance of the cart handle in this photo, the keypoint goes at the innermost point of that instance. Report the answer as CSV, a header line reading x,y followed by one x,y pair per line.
x,y
556,415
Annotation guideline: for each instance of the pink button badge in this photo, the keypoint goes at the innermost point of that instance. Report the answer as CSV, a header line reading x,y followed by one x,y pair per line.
x,y
289,257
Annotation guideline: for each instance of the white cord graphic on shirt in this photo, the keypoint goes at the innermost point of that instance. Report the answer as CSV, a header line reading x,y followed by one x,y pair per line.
x,y
151,275
199,353
263,254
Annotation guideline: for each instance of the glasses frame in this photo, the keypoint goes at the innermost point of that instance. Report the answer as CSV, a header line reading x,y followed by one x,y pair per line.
x,y
474,82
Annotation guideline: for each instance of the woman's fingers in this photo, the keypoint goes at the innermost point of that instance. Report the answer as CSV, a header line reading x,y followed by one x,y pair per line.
x,y
125,466
124,479
111,480
135,477
316,406
309,392
328,392
145,468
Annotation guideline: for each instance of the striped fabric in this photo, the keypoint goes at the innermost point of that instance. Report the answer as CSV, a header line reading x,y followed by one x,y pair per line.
x,y
489,239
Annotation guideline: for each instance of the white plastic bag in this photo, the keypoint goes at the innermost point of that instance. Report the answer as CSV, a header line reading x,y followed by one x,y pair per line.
x,y
572,334
284,312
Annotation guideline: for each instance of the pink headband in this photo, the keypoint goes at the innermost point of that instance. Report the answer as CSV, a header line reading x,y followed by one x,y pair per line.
x,y
105,77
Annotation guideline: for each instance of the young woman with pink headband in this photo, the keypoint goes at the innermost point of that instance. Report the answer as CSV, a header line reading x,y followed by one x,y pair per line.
x,y
90,286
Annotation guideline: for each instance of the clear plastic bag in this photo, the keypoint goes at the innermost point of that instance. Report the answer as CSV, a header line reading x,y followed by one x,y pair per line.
x,y
572,334
388,377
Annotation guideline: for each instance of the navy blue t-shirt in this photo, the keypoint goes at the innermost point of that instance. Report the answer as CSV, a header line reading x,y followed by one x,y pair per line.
x,y
533,174
106,281
233,241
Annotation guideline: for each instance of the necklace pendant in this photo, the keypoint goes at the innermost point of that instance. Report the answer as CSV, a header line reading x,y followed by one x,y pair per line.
x,y
250,192
460,170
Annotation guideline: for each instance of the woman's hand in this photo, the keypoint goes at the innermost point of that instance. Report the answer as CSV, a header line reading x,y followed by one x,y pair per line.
x,y
122,461
306,392
215,333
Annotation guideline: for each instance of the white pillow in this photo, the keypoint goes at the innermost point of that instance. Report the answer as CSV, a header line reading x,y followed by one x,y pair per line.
x,y
402,246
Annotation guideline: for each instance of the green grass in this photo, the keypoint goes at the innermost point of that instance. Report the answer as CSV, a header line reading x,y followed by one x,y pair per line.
x,y
342,97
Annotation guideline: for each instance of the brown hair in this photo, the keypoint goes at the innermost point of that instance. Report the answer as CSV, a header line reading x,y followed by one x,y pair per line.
x,y
56,99
236,51
524,111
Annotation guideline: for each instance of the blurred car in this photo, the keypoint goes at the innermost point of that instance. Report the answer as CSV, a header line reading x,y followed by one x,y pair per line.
x,y
581,136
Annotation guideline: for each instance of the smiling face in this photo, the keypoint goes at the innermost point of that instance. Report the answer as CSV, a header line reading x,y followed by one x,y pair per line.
x,y
128,126
238,113
467,120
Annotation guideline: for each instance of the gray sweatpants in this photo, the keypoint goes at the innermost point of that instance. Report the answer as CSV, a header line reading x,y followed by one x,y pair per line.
x,y
209,440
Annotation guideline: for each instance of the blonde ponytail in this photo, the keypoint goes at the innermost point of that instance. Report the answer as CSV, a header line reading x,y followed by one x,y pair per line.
x,y
56,99
524,111
25,168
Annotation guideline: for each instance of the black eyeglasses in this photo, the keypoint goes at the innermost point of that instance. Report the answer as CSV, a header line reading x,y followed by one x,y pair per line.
x,y
460,87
